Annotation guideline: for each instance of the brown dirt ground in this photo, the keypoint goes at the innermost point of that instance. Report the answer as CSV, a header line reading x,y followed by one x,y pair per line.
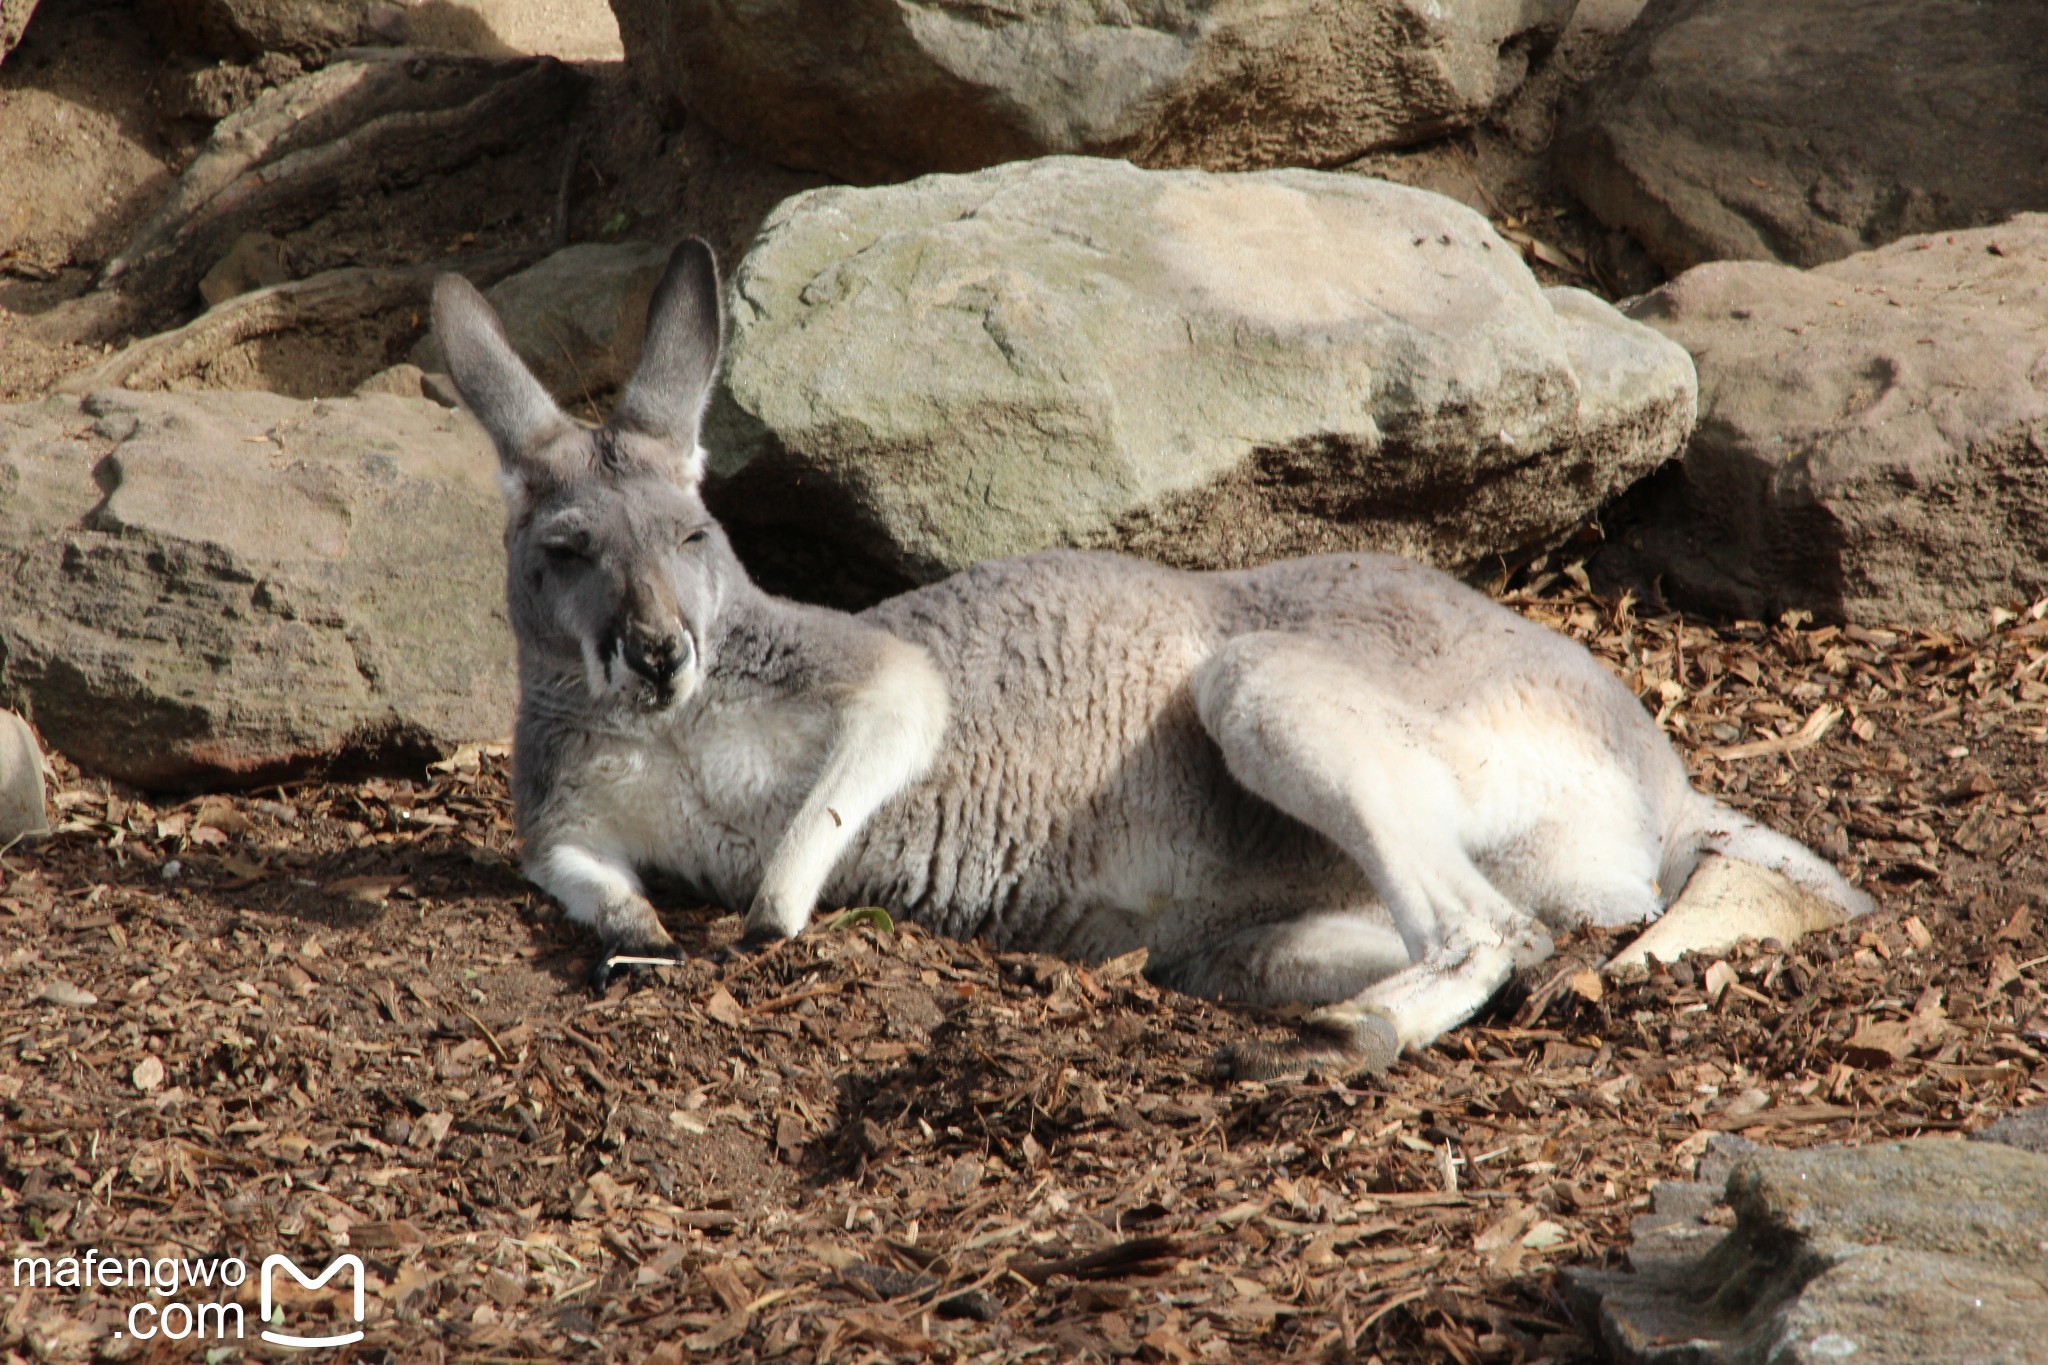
x,y
332,1016
346,1023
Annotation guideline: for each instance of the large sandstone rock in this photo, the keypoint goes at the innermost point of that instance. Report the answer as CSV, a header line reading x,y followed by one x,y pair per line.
x,y
577,317
358,128
1757,129
2026,1129
573,30
242,29
231,587
1212,369
1873,439
874,90
13,19
1929,1252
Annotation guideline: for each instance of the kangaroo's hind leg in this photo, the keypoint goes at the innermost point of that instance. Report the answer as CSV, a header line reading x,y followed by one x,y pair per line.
x,y
1310,732
1324,956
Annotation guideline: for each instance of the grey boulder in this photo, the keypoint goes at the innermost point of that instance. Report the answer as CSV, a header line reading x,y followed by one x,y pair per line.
x,y
1760,130
1928,1252
876,90
24,805
1873,439
2026,1129
1215,370
242,29
13,20
576,317
228,588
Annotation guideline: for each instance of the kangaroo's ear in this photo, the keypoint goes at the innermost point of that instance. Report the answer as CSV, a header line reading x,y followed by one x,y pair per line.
x,y
666,398
513,406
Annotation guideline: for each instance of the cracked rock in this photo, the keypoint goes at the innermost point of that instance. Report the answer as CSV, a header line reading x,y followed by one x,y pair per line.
x,y
230,588
1900,1253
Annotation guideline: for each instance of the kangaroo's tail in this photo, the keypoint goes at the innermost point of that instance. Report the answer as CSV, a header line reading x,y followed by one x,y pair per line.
x,y
1707,826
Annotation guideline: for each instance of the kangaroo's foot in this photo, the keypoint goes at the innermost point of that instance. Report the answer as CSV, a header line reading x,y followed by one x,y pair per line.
x,y
1361,1043
634,955
759,930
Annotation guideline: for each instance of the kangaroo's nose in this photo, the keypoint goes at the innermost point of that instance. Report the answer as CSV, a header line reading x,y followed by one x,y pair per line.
x,y
655,654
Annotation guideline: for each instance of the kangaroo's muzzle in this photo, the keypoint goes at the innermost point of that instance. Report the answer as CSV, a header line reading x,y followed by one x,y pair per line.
x,y
656,654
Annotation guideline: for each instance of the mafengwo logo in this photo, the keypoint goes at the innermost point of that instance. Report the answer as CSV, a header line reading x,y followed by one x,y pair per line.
x,y
169,1306
274,1263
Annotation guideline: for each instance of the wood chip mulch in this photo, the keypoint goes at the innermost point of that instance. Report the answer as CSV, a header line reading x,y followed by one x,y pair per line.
x,y
331,1017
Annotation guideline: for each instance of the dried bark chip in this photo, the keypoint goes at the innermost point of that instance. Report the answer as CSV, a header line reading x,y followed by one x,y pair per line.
x,y
1878,1044
385,1236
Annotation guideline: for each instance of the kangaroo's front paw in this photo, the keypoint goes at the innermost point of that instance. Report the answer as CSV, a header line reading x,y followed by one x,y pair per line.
x,y
1350,1043
633,957
1530,944
769,921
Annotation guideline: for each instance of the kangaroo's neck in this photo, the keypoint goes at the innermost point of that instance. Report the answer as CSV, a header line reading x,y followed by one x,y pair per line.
x,y
769,645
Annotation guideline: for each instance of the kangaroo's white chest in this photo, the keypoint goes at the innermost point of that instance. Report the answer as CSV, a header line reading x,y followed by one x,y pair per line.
x,y
705,798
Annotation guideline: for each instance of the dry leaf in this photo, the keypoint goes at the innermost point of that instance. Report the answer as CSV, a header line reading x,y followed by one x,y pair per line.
x,y
385,1236
880,1331
409,1280
2004,972
1123,968
726,1010
727,1330
1507,1230
1805,737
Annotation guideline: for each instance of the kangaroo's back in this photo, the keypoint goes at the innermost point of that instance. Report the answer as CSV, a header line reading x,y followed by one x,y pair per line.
x,y
1071,750
1078,782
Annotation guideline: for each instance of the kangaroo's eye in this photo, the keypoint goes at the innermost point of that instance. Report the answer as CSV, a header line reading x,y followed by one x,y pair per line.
x,y
562,555
695,536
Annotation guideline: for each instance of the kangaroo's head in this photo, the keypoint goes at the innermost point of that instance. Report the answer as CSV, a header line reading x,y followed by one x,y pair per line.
x,y
616,574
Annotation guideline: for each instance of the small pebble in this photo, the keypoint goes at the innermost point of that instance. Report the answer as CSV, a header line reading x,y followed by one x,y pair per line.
x,y
172,869
64,993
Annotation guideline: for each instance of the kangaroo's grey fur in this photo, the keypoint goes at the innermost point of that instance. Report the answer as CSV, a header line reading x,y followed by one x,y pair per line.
x,y
1343,779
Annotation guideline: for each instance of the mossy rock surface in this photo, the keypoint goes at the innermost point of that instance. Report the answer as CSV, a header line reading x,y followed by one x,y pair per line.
x,y
1213,369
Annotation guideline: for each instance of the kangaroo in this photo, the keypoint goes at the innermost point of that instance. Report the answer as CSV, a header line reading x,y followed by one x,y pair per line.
x,y
1348,781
